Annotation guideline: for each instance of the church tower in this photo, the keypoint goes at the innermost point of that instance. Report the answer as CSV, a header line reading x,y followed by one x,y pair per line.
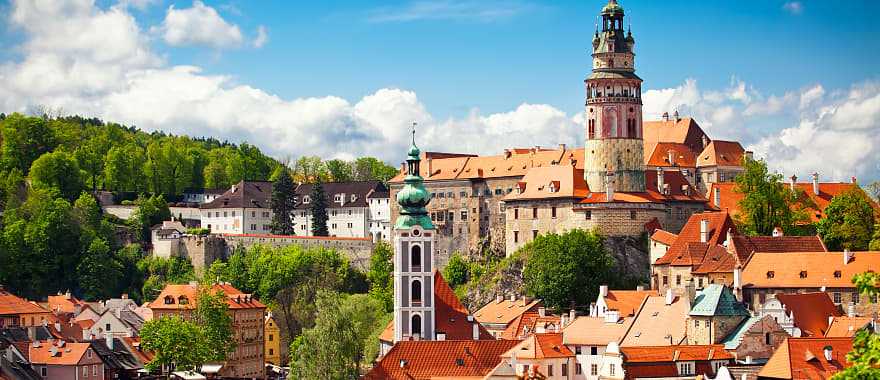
x,y
413,237
614,153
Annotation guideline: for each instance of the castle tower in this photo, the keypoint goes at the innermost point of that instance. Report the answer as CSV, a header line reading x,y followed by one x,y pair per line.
x,y
413,237
614,146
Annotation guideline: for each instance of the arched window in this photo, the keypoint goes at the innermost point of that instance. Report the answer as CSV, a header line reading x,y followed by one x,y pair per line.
x,y
417,325
416,291
416,258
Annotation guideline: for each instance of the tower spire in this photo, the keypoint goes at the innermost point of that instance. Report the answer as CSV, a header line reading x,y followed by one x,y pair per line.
x,y
413,198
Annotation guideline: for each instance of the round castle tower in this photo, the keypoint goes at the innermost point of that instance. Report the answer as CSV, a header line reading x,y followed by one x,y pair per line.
x,y
614,152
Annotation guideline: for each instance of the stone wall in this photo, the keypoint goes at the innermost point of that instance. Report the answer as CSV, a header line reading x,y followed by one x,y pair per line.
x,y
624,156
357,250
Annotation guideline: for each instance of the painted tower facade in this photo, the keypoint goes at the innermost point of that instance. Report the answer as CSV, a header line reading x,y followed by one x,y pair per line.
x,y
614,148
413,258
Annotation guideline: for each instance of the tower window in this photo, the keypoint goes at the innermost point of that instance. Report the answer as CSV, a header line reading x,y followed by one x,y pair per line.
x,y
416,258
416,292
416,325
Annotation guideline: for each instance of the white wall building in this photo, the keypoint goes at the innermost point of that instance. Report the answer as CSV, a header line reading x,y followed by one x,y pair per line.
x,y
243,209
350,212
380,215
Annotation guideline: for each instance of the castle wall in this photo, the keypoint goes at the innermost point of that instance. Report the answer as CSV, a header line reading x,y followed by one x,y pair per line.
x,y
357,250
624,156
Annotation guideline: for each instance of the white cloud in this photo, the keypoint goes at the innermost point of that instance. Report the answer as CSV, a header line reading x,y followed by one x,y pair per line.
x,y
199,25
461,10
138,4
793,7
262,37
811,96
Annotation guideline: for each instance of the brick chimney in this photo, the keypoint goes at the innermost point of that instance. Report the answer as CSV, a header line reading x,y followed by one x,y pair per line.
x,y
670,156
660,180
704,231
816,183
430,166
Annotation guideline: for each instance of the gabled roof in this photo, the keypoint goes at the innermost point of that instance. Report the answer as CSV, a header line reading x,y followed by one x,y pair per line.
x,y
10,304
810,311
682,131
506,310
513,162
717,300
734,338
664,237
658,324
676,353
63,303
360,189
627,302
721,153
685,250
593,331
716,260
245,194
117,358
729,198
20,334
557,181
680,190
15,366
846,326
682,155
527,323
427,359
744,246
540,346
68,354
806,269
189,292
804,358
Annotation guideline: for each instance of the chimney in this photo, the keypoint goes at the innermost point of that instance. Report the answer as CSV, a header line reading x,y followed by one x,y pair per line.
x,y
793,183
853,180
609,186
430,166
594,310
670,156
640,288
58,326
691,290
728,242
507,153
562,147
32,333
705,141
847,256
572,314
851,310
108,337
716,197
669,297
562,320
499,298
612,316
749,155
829,353
660,180
513,297
737,282
542,312
676,116
816,183
704,231
777,232
441,336
666,116
125,296
476,330
603,290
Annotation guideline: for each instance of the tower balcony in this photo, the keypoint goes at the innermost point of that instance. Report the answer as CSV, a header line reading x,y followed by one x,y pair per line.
x,y
615,99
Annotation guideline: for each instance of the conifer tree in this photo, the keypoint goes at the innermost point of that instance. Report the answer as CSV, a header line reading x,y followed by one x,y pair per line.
x,y
282,204
319,211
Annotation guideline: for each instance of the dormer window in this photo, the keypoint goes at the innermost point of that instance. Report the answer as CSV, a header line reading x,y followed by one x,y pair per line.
x,y
837,274
803,274
554,186
337,198
354,197
771,274
306,199
182,300
169,300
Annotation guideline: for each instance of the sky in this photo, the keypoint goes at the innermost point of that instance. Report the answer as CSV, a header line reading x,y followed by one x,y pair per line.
x,y
797,82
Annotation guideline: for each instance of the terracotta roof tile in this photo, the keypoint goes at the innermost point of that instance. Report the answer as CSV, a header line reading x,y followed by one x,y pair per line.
x,y
66,354
530,322
594,331
659,354
557,181
744,246
716,260
664,237
688,242
721,153
540,346
505,311
64,303
810,310
417,360
729,198
806,269
804,358
682,155
10,304
183,297
657,323
846,326
627,302
682,131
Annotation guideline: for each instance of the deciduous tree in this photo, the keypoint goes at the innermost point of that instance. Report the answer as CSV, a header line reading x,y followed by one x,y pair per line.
x,y
58,170
767,203
380,275
849,222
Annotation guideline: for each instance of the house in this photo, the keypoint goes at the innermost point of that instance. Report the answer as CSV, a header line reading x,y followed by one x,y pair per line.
x,y
674,362
530,322
771,273
65,304
661,320
119,323
248,317
595,342
14,364
544,354
754,339
349,211
15,311
119,361
122,303
380,214
808,358
661,240
497,315
715,312
801,314
440,359
849,326
165,238
625,302
719,162
201,196
57,359
273,340
243,209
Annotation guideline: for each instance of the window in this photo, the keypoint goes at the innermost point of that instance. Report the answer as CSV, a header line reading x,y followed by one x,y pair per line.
x,y
462,194
253,214
577,350
253,226
707,323
463,214
577,369
767,338
106,328
553,212
696,323
516,213
416,291
43,372
836,297
665,280
416,257
685,368
350,225
700,282
271,337
855,296
306,199
837,274
771,274
588,215
632,215
86,371
594,350
612,368
565,369
498,191
534,213
94,370
271,352
225,214
416,325
233,214
803,274
516,236
549,369
594,369
678,279
534,234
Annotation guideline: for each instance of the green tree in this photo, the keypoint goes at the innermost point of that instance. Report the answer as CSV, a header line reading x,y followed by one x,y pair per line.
x,y
865,355
566,269
848,222
60,171
133,278
150,211
339,170
124,168
282,204
767,203
381,274
90,158
173,341
309,170
212,315
369,168
456,271
99,273
334,348
319,211
24,140
160,271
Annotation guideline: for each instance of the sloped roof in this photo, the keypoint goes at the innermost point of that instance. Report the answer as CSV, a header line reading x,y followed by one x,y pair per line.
x,y
235,298
734,338
117,358
557,181
806,269
513,162
527,323
804,358
15,366
360,189
680,252
254,194
810,311
680,190
594,331
846,326
682,155
63,303
744,246
540,346
505,311
667,353
729,198
716,260
665,237
683,131
627,302
717,300
69,354
427,359
11,304
658,324
20,334
721,153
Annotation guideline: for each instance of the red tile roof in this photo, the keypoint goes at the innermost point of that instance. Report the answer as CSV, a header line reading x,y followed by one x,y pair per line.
x,y
557,181
658,354
682,155
506,310
729,198
846,326
810,310
688,250
627,302
64,303
716,260
804,358
527,323
540,346
721,153
189,292
664,237
65,354
683,131
744,246
417,360
806,269
10,304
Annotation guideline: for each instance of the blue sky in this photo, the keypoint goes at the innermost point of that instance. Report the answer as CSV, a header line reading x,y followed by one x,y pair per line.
x,y
340,78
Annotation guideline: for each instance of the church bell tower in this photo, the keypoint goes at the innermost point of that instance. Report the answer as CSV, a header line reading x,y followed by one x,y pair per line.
x,y
614,153
413,237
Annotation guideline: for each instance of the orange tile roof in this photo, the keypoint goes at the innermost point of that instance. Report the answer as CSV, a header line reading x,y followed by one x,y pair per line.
x,y
658,354
810,311
682,155
683,131
657,323
594,331
846,326
627,302
664,237
134,346
721,153
505,311
513,163
557,181
688,250
729,198
804,358
744,246
67,354
716,260
64,303
235,298
679,190
540,346
783,270
424,360
527,323
10,304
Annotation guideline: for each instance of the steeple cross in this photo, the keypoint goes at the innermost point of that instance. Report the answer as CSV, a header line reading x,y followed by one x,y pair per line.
x,y
414,124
